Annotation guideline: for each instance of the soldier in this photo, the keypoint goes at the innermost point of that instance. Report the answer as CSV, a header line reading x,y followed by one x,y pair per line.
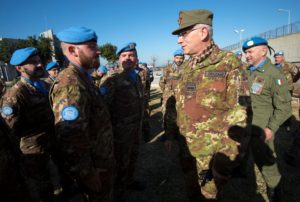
x,y
208,113
2,87
244,94
290,71
27,112
100,75
125,97
52,68
270,105
82,121
11,180
144,74
167,84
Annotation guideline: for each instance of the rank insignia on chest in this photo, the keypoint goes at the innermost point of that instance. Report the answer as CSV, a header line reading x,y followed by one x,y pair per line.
x,y
214,74
190,87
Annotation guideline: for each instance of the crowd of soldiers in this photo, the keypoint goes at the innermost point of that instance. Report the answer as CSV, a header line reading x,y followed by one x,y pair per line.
x,y
76,135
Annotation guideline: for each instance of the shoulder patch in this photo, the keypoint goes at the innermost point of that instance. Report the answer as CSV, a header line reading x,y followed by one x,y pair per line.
x,y
7,110
69,113
279,82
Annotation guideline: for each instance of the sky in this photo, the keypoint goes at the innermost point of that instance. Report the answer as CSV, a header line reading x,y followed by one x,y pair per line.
x,y
149,23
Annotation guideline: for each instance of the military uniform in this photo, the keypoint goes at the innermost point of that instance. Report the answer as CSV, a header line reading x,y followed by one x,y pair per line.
x,y
2,87
207,107
27,112
290,71
83,130
167,84
11,181
125,97
49,80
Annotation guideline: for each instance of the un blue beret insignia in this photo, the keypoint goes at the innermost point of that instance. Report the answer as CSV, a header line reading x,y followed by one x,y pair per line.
x,y
77,35
51,65
69,113
21,55
7,110
279,53
128,47
254,41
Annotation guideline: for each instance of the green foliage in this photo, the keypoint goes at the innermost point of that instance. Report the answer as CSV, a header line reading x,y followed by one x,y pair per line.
x,y
108,51
7,47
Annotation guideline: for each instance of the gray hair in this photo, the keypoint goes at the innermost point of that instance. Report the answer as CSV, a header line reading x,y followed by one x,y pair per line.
x,y
208,27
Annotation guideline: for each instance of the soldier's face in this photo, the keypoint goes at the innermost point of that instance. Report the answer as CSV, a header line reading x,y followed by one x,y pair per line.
x,y
178,59
53,72
32,68
89,54
279,59
255,55
128,60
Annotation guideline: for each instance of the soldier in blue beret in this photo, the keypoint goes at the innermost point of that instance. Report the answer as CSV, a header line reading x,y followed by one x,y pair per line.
x,y
26,110
100,75
271,106
124,94
82,120
52,68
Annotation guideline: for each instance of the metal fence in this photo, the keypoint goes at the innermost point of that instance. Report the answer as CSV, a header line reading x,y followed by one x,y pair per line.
x,y
272,34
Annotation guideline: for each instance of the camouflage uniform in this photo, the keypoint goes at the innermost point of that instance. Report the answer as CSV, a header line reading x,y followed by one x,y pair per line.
x,y
99,80
167,84
125,98
290,71
31,123
145,79
2,87
49,80
86,143
11,182
210,118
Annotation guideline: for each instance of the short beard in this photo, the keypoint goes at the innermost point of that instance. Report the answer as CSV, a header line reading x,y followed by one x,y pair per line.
x,y
36,74
88,63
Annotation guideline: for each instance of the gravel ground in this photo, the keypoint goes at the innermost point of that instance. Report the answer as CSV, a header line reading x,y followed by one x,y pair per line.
x,y
162,173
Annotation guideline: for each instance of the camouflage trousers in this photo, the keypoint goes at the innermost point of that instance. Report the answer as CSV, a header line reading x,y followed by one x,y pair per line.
x,y
208,162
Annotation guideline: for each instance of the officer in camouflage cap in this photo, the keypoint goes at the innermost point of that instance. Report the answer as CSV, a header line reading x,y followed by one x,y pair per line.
x,y
271,106
208,113
27,112
82,120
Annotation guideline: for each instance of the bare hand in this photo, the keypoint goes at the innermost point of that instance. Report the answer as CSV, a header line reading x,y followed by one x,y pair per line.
x,y
268,134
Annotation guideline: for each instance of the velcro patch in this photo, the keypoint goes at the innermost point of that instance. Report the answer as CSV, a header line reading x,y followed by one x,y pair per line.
x,y
215,74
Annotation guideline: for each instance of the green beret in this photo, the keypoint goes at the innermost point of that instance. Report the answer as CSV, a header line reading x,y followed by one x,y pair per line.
x,y
189,18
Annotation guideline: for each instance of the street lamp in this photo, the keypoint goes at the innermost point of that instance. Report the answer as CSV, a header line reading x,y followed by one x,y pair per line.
x,y
289,17
239,32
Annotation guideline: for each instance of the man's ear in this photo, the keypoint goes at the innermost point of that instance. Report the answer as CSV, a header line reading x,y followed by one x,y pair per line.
x,y
73,50
204,33
20,68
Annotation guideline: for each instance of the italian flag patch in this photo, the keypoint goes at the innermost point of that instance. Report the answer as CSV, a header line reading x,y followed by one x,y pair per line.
x,y
279,82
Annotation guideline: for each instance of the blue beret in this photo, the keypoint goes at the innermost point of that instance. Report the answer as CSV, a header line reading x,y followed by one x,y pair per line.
x,y
128,47
178,52
50,65
103,69
254,41
77,35
21,55
279,53
238,52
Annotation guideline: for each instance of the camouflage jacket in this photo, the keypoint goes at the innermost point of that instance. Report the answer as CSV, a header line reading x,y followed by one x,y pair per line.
x,y
29,116
125,98
270,98
82,124
207,96
170,77
290,71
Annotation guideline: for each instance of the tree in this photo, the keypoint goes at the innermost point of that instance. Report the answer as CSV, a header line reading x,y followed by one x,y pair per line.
x,y
153,60
108,52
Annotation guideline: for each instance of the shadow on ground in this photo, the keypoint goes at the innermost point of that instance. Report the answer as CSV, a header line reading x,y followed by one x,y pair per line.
x,y
165,183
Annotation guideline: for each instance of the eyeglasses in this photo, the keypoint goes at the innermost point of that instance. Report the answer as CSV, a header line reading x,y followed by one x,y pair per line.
x,y
184,33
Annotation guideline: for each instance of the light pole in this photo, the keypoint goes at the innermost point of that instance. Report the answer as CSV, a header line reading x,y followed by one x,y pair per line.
x,y
239,32
289,17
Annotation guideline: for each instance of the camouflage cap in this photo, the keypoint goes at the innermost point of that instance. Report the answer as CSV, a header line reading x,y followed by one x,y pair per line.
x,y
192,17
